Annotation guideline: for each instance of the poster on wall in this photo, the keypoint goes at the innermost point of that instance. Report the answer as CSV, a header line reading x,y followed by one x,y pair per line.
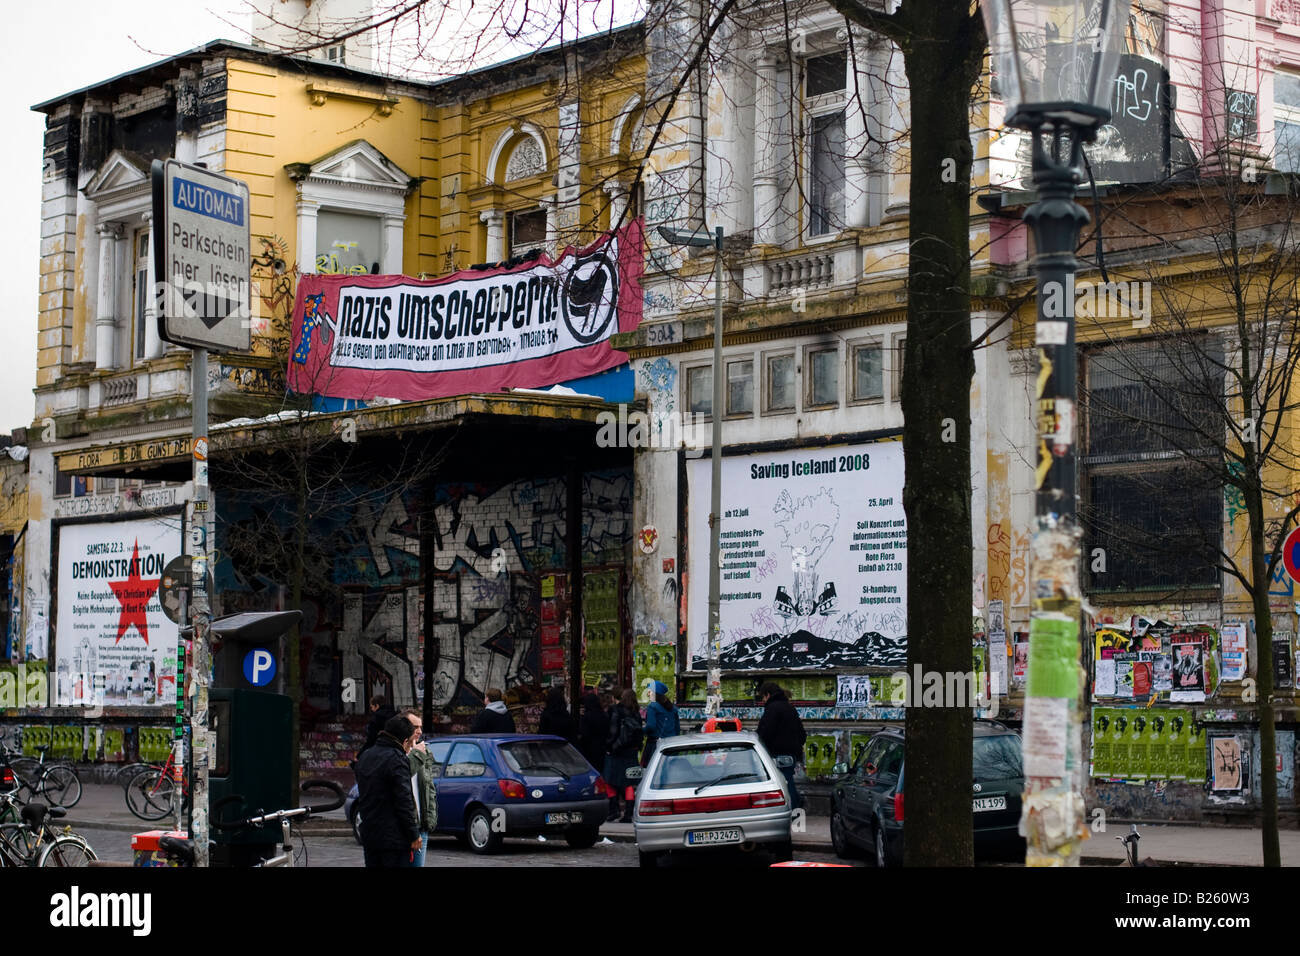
x,y
814,558
653,662
1189,672
114,645
533,325
1234,651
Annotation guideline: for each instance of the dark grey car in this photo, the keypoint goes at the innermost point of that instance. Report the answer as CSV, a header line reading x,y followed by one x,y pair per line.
x,y
867,804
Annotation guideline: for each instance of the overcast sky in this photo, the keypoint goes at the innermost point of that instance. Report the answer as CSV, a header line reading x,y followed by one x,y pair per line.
x,y
58,46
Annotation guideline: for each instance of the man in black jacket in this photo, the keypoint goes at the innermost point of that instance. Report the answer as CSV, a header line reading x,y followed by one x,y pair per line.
x,y
494,718
390,829
781,732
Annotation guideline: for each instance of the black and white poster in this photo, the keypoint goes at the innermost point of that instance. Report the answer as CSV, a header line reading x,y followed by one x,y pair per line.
x,y
113,643
813,558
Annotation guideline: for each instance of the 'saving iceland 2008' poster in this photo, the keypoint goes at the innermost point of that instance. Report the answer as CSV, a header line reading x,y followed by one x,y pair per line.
x,y
813,554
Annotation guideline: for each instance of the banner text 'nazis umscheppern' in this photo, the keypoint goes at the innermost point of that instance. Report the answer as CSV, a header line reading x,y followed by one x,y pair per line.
x,y
534,325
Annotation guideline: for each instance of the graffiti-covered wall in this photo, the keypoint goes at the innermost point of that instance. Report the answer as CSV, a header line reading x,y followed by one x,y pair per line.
x,y
492,554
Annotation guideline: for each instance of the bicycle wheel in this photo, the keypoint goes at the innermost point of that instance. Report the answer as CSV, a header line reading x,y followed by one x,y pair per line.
x,y
149,795
67,851
17,844
126,774
61,786
28,770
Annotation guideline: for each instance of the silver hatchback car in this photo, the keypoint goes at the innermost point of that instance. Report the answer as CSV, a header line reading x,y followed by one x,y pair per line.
x,y
710,790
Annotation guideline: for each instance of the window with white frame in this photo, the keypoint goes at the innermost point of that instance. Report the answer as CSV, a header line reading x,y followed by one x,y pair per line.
x,y
824,100
347,243
527,232
779,382
140,255
866,372
351,211
822,377
699,390
740,387
1286,121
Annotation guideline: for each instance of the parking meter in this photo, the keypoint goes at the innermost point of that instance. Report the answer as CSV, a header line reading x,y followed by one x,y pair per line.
x,y
251,719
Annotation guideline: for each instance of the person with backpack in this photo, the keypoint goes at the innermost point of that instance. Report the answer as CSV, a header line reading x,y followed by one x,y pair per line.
x,y
623,743
661,721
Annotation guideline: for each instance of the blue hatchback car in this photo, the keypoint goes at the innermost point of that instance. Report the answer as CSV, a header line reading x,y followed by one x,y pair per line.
x,y
491,786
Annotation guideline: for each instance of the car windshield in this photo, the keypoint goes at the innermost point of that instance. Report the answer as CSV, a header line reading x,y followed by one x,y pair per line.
x,y
707,764
544,758
997,758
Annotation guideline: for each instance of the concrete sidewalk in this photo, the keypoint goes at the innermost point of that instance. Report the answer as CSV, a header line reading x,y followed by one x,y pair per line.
x,y
104,805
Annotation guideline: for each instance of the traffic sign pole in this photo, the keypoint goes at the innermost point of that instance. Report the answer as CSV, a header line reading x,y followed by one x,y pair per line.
x,y
202,258
200,610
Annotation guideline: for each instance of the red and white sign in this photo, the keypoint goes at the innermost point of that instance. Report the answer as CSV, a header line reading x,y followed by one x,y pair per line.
x,y
1291,554
531,326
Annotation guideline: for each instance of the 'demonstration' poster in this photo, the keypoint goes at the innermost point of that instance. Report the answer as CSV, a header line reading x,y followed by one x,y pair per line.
x,y
113,643
814,558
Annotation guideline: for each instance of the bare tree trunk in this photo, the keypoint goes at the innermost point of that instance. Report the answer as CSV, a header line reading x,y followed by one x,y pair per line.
x,y
942,58
1260,577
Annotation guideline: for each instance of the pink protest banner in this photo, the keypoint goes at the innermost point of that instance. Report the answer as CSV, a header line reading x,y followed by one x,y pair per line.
x,y
537,324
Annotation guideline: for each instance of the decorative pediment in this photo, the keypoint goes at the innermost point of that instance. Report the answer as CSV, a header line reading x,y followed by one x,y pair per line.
x,y
358,164
120,172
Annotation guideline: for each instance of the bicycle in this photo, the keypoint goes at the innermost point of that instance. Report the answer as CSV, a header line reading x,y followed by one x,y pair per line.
x,y
57,783
149,793
292,851
33,842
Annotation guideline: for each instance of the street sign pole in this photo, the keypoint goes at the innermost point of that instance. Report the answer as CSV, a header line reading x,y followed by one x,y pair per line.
x,y
202,257
201,609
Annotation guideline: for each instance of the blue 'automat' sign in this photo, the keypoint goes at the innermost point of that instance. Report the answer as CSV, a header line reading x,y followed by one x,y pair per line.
x,y
207,201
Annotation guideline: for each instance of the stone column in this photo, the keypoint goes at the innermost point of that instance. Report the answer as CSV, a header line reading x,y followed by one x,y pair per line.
x,y
857,102
110,233
153,343
617,193
766,173
495,220
390,261
307,212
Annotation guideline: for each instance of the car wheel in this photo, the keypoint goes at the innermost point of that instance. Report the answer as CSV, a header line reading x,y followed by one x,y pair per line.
x,y
840,837
648,859
482,838
882,854
782,852
581,838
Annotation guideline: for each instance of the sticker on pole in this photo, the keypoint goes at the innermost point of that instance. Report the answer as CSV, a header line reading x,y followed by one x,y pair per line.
x,y
202,255
259,667
1291,554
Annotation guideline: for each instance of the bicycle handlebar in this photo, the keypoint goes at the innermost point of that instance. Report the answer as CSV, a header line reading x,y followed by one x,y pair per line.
x,y
261,817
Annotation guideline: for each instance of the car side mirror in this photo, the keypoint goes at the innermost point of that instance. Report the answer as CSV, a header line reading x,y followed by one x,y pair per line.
x,y
840,769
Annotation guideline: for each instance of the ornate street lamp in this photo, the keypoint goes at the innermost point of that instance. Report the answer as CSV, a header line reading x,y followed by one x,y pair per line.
x,y
1055,63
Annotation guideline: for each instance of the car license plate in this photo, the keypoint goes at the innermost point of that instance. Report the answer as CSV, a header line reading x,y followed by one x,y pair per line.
x,y
990,803
712,837
564,818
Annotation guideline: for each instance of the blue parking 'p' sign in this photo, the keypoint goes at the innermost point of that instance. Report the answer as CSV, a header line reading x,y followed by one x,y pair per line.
x,y
259,667
1291,554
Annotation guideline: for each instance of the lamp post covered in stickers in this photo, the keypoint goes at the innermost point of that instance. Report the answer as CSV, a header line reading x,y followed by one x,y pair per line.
x,y
1055,62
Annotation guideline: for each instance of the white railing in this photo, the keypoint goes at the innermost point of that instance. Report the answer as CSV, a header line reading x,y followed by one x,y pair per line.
x,y
809,272
118,391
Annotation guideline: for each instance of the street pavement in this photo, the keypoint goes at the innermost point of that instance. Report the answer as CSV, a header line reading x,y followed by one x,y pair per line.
x,y
102,816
